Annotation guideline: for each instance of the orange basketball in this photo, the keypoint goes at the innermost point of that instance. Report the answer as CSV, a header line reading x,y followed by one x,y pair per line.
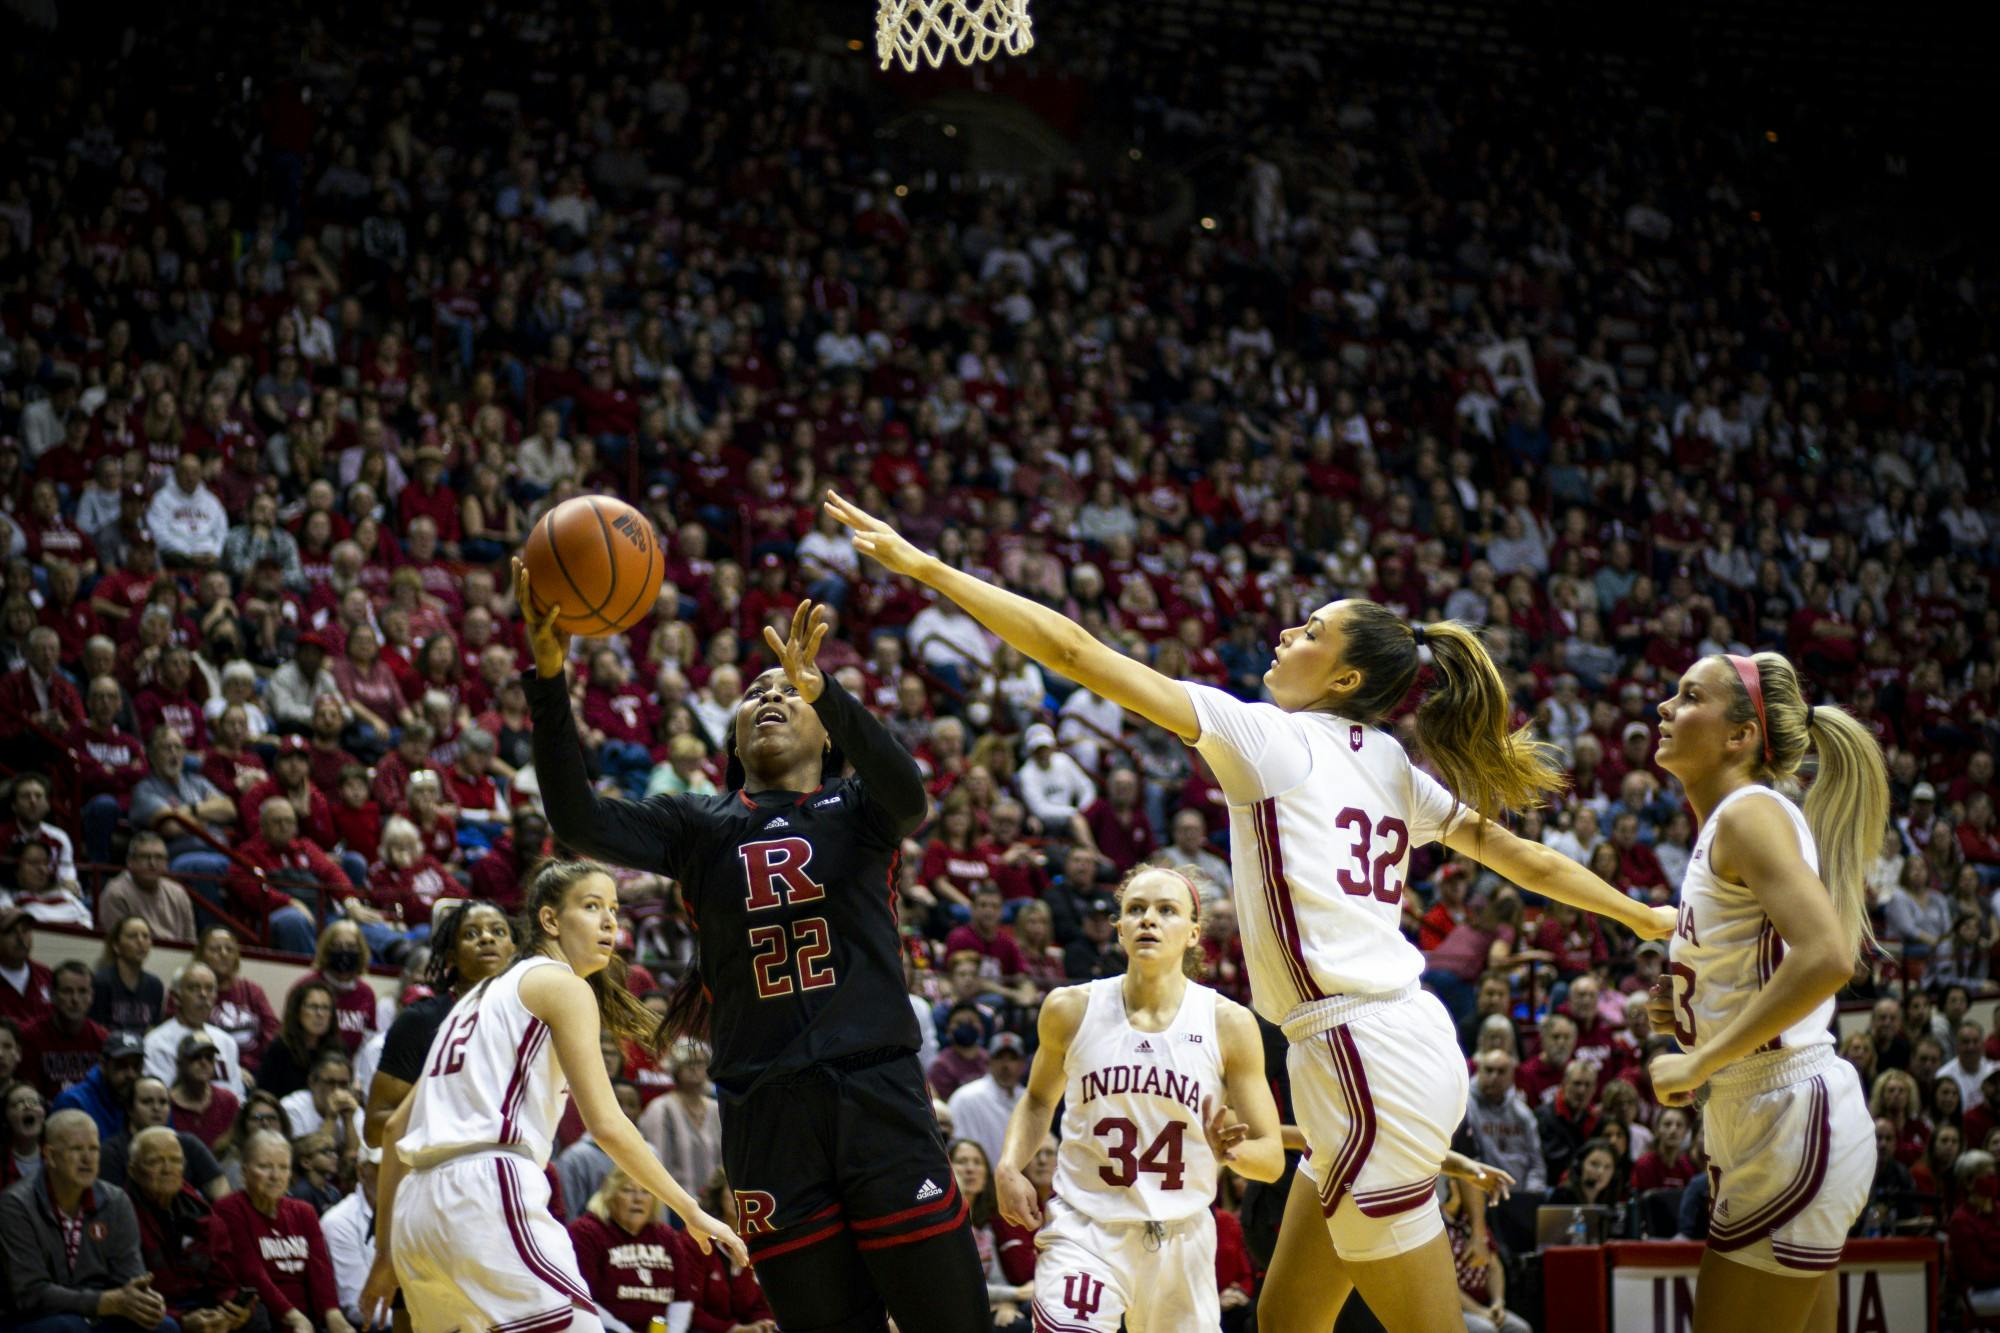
x,y
599,560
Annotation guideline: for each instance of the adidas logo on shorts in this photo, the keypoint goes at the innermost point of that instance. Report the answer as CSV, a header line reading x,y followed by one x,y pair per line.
x,y
929,1191
779,822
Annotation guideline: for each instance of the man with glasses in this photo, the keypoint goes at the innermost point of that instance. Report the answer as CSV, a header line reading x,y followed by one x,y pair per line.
x,y
72,1244
194,1004
327,1102
153,1109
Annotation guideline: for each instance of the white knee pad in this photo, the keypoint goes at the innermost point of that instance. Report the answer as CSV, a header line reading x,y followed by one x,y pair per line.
x,y
1359,1238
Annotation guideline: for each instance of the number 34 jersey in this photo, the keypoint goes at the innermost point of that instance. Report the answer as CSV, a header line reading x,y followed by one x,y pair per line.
x,y
491,1078
1323,815
1132,1148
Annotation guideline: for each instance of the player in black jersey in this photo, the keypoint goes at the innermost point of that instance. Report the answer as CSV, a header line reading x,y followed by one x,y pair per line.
x,y
843,1191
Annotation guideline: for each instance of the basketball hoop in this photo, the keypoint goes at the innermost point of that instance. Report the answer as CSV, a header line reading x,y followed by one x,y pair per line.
x,y
929,30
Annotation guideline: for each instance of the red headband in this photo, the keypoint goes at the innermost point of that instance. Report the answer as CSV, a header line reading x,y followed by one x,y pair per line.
x,y
1753,685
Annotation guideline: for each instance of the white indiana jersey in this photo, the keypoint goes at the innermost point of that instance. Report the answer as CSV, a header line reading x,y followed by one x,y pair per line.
x,y
491,1078
1724,948
1133,1149
1323,815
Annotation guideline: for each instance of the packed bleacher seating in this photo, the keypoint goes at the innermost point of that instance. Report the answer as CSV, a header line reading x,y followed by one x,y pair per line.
x,y
287,373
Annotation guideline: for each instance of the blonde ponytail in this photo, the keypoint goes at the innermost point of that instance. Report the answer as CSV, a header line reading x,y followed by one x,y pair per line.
x,y
1847,803
1462,726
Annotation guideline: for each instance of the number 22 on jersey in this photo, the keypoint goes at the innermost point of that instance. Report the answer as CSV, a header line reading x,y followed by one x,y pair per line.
x,y
774,875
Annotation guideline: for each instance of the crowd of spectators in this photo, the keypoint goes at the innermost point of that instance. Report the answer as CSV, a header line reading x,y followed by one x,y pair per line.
x,y
267,440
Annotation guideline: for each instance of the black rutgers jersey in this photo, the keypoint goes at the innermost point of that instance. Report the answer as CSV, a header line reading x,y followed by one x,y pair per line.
x,y
793,894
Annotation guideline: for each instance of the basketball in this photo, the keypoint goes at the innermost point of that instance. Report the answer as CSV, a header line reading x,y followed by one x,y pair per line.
x,y
598,559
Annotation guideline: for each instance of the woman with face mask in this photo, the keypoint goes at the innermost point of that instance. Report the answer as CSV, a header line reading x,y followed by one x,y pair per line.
x,y
1975,1232
341,963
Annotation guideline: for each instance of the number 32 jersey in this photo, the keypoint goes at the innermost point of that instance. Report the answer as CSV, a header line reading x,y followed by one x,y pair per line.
x,y
1133,1149
1323,814
491,1078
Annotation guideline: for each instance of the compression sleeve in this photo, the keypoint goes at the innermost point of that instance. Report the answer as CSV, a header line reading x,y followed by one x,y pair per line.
x,y
644,835
888,772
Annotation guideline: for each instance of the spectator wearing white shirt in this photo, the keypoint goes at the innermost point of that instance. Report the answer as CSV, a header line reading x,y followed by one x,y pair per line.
x,y
349,1229
1971,1067
327,1102
1053,787
840,347
189,524
194,1003
946,640
980,1110
545,457
45,422
1085,721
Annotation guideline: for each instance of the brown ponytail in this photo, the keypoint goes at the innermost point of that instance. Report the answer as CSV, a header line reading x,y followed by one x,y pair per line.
x,y
617,1008
1461,724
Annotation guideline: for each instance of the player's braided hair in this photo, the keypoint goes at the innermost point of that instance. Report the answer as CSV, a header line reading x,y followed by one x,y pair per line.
x,y
441,972
617,1008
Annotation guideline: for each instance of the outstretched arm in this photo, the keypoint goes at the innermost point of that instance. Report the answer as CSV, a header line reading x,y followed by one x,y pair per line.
x,y
644,835
1054,640
1547,871
564,1001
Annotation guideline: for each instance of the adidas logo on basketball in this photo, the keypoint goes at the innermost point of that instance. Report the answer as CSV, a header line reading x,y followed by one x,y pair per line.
x,y
779,822
929,1191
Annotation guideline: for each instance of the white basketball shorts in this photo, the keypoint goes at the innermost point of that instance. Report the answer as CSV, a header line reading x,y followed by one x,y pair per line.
x,y
1378,1086
1791,1157
1090,1275
476,1249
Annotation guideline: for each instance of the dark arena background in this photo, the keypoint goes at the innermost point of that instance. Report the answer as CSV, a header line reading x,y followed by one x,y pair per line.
x,y
1631,334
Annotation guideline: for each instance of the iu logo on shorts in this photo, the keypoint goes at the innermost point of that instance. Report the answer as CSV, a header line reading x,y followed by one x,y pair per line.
x,y
1083,1294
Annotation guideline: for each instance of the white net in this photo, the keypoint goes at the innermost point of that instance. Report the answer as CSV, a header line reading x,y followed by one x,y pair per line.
x,y
911,31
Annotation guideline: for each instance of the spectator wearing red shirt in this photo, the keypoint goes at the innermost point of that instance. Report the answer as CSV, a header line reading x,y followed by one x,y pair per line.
x,y
1116,825
325,759
954,864
1572,939
498,876
230,763
1598,1044
727,1297
1018,867
985,936
1541,1074
293,780
284,1252
428,496
630,1260
39,692
284,878
1669,1165
110,762
1637,866
340,963
1448,911
171,699
408,881
469,786
63,1046
67,610
618,719
357,819
412,755
1235,1275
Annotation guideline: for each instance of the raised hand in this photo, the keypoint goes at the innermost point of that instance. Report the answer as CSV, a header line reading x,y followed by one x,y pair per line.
x,y
798,654
876,539
549,644
1223,1133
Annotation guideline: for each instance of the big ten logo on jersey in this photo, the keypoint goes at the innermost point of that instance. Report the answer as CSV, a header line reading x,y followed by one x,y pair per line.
x,y
789,958
1083,1294
756,1212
